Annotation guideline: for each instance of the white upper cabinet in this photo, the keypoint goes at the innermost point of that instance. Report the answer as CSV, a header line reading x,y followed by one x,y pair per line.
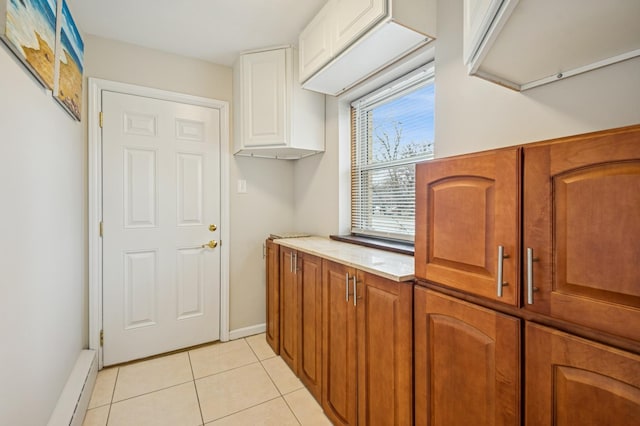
x,y
274,116
348,40
523,44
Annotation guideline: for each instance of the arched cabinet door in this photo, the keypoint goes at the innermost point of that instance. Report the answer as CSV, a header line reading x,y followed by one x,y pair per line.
x,y
581,230
467,223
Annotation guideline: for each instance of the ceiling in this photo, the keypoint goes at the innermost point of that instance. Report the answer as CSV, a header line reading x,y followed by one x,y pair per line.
x,y
213,30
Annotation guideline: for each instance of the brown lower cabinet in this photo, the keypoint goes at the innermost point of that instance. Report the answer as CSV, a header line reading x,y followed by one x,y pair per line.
x,y
272,258
367,348
467,363
574,381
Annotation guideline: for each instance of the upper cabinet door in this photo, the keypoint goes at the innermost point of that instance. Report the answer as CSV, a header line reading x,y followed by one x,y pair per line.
x,y
265,98
581,233
478,15
315,42
354,17
467,211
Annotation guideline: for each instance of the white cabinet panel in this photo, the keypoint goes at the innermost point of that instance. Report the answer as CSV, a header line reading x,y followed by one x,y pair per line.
x,y
354,17
264,107
316,41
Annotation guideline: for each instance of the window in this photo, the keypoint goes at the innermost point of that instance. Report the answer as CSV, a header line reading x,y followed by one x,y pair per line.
x,y
392,129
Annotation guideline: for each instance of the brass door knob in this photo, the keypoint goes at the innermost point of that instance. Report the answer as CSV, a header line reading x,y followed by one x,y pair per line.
x,y
211,244
212,228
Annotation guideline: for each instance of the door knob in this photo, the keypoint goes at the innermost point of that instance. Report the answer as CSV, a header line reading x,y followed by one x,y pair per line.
x,y
212,228
211,244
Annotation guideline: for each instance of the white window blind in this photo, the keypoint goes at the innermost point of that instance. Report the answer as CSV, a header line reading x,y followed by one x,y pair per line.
x,y
392,129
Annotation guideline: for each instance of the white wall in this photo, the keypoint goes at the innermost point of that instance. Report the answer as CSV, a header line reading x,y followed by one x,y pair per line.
x,y
268,204
471,115
42,246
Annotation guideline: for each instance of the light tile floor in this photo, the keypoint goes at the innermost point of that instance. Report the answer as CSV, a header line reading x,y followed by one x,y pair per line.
x,y
242,382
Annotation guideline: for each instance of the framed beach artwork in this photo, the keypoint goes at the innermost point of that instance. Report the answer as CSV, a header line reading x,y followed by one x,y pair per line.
x,y
28,27
69,62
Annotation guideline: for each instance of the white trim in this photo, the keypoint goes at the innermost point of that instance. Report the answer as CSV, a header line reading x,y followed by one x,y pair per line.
x,y
96,86
74,399
239,333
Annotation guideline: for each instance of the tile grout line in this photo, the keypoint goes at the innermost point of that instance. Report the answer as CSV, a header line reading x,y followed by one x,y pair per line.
x,y
193,376
113,392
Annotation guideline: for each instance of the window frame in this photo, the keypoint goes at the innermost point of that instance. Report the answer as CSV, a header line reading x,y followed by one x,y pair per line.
x,y
401,86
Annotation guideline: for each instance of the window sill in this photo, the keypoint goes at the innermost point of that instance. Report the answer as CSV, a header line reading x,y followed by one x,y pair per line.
x,y
378,243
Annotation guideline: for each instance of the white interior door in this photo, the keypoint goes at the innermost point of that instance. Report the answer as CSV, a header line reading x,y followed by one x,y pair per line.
x,y
161,204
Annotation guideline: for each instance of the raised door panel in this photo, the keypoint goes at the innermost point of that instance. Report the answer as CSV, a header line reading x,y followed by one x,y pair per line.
x,y
310,302
264,98
466,209
467,363
315,42
339,357
573,381
289,310
581,230
385,351
273,295
353,18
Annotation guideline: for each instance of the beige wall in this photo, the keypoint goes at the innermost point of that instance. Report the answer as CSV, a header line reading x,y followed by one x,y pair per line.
x,y
268,204
471,115
43,289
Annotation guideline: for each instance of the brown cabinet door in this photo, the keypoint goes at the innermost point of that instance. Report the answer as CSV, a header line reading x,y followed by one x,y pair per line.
x,y
310,339
273,295
467,207
573,381
289,309
339,358
581,226
467,363
385,351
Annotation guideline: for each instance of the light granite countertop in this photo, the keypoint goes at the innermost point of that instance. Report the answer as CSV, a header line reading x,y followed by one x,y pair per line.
x,y
394,266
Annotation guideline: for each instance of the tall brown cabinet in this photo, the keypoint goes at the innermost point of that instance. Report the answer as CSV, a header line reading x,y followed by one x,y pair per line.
x,y
544,240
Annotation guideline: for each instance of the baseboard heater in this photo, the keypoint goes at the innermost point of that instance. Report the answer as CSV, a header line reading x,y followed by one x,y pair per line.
x,y
74,399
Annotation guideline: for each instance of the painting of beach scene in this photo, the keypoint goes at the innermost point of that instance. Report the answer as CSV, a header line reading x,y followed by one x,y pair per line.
x,y
69,63
29,29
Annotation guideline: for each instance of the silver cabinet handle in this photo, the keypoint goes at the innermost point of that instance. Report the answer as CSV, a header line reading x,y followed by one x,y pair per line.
x,y
295,262
355,291
530,286
291,263
499,282
346,287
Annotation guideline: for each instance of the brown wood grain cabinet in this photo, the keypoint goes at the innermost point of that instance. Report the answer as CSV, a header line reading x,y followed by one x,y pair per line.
x,y
467,227
581,233
310,335
272,259
467,363
289,309
574,381
367,348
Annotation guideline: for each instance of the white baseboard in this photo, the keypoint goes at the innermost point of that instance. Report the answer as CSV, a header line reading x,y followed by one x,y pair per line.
x,y
247,331
74,399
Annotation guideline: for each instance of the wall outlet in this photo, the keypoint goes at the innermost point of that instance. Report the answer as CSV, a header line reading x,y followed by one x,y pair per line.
x,y
242,186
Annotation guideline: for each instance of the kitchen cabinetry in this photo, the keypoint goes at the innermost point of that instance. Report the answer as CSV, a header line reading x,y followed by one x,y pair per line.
x,y
523,44
573,381
467,227
467,363
276,117
578,246
272,259
367,379
351,39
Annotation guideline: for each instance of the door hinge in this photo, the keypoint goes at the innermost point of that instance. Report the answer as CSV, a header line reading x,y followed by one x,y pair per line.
x,y
101,229
101,118
101,338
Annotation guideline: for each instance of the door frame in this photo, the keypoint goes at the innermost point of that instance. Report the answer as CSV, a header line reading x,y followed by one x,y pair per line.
x,y
94,174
